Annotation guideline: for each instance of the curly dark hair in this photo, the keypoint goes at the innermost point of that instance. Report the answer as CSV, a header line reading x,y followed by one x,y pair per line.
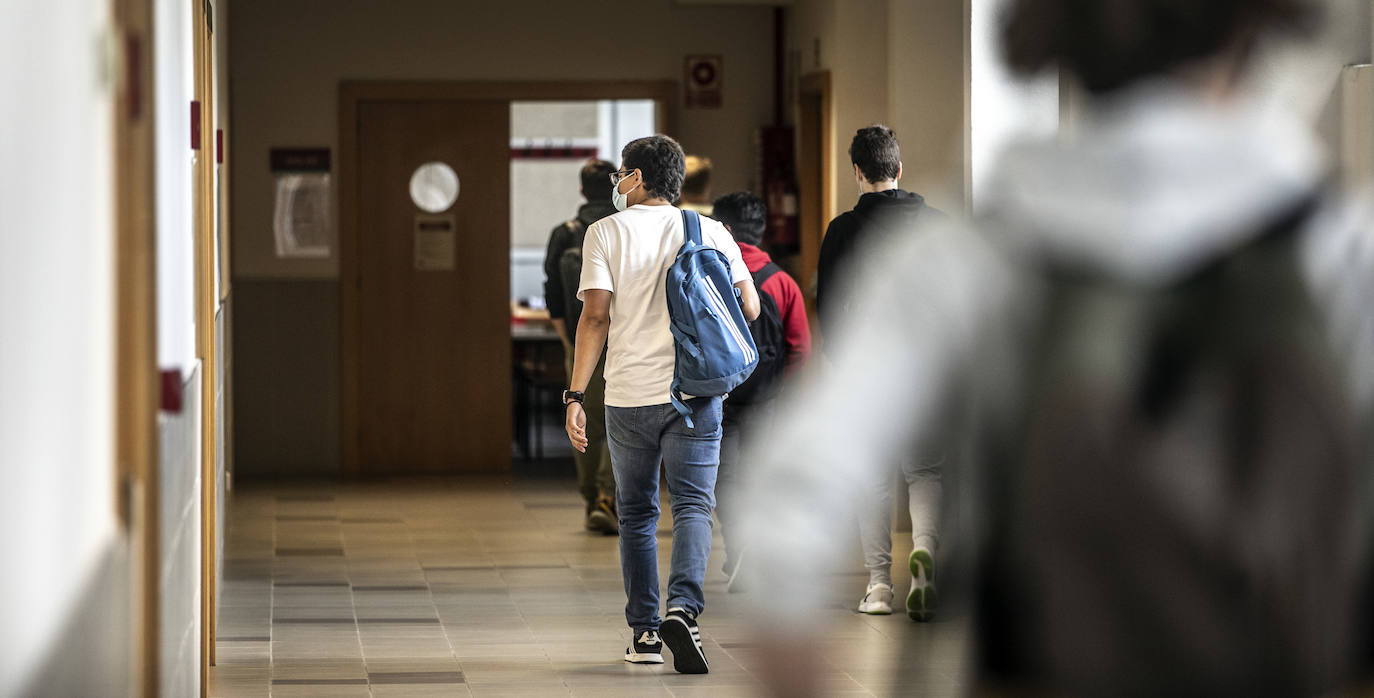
x,y
744,213
1109,44
596,180
661,161
875,150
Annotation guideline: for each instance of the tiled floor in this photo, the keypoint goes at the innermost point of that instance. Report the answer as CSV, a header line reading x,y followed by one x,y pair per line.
x,y
487,587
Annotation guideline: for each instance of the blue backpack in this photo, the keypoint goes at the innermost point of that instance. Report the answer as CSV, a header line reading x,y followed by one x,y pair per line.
x,y
715,352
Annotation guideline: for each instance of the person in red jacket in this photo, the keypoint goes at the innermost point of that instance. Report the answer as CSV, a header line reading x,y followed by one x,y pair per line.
x,y
745,216
749,416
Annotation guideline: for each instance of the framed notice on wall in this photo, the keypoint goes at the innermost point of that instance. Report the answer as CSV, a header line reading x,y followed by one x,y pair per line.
x,y
302,217
703,80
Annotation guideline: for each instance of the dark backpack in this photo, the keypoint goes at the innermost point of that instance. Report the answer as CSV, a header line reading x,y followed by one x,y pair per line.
x,y
770,339
570,269
1175,511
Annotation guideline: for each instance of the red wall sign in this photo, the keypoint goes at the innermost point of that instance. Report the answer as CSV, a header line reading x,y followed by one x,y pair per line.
x,y
703,78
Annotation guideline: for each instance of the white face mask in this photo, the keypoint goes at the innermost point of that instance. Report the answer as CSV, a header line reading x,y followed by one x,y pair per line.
x,y
620,200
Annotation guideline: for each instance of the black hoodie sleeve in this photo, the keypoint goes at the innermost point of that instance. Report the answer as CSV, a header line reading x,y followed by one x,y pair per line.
x,y
834,249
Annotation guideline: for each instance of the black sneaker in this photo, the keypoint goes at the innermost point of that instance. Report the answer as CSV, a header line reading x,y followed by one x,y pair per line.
x,y
645,649
683,637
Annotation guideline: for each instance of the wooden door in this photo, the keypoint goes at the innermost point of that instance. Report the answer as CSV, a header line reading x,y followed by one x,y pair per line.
x,y
432,302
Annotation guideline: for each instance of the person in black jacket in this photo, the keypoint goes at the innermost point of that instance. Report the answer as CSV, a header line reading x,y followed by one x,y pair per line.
x,y
563,270
884,211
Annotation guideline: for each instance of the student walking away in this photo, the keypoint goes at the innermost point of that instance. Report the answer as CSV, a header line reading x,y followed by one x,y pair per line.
x,y
696,186
883,209
562,272
884,214
1166,327
782,335
655,360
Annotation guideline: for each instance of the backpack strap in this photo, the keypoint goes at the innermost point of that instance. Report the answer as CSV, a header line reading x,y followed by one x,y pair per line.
x,y
691,223
765,273
675,395
575,226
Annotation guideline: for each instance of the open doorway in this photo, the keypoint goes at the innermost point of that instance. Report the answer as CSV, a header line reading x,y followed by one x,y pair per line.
x,y
550,143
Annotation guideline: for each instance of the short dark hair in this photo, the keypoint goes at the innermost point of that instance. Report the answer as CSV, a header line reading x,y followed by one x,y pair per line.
x,y
697,179
1109,44
660,159
876,152
596,180
744,213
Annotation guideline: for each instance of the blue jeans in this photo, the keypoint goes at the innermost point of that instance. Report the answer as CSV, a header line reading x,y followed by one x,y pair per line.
x,y
639,438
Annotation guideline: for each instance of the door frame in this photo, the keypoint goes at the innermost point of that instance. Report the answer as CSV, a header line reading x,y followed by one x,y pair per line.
x,y
817,207
137,387
354,93
206,307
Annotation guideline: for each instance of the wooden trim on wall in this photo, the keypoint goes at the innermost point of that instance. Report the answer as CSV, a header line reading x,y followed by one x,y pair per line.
x,y
818,208
349,97
445,90
354,92
135,307
206,304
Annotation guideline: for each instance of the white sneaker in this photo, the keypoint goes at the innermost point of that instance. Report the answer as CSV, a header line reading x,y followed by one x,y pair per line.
x,y
877,600
921,601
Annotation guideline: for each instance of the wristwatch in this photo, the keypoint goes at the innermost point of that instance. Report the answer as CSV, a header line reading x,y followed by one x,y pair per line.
x,y
572,396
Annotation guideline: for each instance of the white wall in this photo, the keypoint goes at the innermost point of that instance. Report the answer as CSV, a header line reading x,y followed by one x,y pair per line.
x,y
179,569
1002,107
175,80
56,336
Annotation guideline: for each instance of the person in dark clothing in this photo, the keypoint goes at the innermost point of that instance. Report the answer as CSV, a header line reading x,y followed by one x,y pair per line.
x,y
883,208
563,270
745,216
884,211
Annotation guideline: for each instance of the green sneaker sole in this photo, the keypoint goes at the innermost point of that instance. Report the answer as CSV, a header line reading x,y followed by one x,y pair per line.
x,y
921,602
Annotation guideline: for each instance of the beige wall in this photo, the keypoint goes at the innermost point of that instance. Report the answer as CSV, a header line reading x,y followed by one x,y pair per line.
x,y
288,57
898,62
926,49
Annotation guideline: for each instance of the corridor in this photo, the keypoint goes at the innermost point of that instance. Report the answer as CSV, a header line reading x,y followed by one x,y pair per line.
x,y
490,587
297,344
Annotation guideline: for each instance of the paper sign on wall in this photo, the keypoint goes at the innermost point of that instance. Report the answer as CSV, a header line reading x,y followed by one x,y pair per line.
x,y
302,218
436,244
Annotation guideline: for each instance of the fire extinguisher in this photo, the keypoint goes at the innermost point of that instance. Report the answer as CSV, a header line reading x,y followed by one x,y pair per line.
x,y
777,182
781,198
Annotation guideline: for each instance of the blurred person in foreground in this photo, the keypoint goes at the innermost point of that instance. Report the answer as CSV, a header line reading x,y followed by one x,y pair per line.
x,y
1165,327
885,214
782,335
562,273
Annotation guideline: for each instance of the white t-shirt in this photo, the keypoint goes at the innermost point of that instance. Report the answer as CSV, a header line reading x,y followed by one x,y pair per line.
x,y
629,254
